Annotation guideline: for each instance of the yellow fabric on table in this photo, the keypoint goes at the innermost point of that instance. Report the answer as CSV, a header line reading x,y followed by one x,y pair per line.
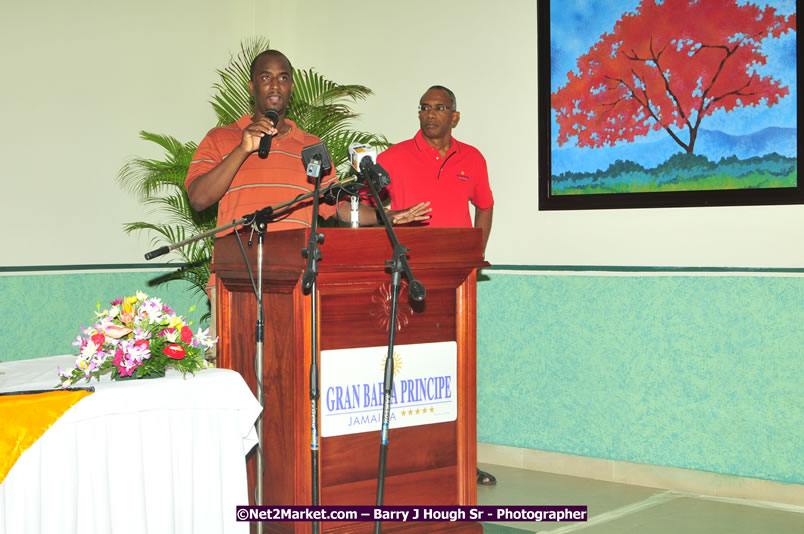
x,y
24,418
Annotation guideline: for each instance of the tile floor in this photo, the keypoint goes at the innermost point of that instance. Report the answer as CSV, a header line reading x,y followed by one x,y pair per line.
x,y
622,509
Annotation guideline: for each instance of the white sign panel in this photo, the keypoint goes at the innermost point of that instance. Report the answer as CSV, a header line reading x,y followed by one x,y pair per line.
x,y
424,392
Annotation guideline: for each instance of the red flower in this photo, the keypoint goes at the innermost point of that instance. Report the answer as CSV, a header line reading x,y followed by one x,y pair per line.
x,y
118,357
98,339
141,343
175,351
186,334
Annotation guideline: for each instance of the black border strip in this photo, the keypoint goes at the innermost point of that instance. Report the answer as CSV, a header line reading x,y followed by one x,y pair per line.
x,y
667,199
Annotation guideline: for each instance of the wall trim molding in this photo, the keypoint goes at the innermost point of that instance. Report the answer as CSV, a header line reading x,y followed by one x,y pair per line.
x,y
642,269
89,267
652,476
500,267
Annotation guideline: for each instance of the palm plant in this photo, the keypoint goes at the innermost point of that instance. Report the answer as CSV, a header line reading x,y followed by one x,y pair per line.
x,y
318,106
160,184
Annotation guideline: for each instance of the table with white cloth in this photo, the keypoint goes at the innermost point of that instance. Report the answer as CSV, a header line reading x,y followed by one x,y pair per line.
x,y
163,455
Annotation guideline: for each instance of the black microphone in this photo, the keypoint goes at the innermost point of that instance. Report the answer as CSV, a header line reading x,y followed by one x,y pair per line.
x,y
265,142
316,159
369,168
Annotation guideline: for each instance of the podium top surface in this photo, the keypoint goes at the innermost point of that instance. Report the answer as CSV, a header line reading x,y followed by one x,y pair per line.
x,y
348,249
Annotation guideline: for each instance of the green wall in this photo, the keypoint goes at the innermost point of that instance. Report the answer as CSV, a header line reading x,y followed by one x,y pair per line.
x,y
41,314
700,372
697,371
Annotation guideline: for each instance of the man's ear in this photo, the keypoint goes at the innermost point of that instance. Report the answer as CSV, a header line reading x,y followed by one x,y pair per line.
x,y
456,117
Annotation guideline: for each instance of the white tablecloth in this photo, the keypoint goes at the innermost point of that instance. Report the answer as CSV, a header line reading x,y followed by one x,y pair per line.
x,y
142,456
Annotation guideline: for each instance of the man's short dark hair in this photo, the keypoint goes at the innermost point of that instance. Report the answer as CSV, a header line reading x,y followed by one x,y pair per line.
x,y
454,106
271,53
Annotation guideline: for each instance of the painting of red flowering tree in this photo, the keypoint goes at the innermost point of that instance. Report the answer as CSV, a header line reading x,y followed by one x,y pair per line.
x,y
664,100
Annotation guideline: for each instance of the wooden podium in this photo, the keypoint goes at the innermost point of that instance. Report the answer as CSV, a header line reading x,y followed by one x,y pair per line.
x,y
432,465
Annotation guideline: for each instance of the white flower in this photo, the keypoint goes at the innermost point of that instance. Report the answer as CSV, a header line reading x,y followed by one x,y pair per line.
x,y
141,296
172,336
99,358
89,350
202,336
135,353
152,308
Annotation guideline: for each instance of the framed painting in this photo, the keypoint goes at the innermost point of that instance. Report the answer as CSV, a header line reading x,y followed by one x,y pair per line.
x,y
667,103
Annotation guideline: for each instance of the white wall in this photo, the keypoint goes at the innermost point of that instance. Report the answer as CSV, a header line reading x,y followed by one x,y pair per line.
x,y
486,53
82,78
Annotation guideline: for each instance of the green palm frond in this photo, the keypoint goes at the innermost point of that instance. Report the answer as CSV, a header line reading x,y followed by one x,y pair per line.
x,y
146,177
312,88
233,98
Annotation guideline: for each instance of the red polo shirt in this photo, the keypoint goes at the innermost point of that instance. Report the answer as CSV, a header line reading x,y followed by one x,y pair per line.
x,y
418,173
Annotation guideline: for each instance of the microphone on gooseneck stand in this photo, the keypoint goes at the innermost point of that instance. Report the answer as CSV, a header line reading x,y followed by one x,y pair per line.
x,y
362,158
265,142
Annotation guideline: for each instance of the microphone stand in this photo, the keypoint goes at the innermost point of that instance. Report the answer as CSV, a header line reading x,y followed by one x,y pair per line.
x,y
260,223
309,278
398,264
259,220
244,220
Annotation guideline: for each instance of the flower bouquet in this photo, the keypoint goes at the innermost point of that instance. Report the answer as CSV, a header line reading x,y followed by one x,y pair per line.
x,y
138,337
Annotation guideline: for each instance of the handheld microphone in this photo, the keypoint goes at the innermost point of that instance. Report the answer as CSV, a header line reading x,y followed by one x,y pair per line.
x,y
265,142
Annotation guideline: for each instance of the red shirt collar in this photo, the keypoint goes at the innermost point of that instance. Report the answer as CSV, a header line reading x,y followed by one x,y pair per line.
x,y
423,146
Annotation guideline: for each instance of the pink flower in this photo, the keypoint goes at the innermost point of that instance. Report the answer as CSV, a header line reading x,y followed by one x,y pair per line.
x,y
122,371
126,318
125,367
175,351
186,334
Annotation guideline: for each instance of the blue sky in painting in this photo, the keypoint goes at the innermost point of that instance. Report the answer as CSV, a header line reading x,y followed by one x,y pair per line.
x,y
575,25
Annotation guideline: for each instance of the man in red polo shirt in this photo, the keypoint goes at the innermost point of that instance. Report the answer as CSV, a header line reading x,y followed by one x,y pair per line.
x,y
434,177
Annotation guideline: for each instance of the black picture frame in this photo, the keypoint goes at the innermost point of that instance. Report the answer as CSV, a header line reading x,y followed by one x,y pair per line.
x,y
549,201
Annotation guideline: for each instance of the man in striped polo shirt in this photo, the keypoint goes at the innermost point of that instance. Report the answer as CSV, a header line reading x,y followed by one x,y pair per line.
x,y
226,169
